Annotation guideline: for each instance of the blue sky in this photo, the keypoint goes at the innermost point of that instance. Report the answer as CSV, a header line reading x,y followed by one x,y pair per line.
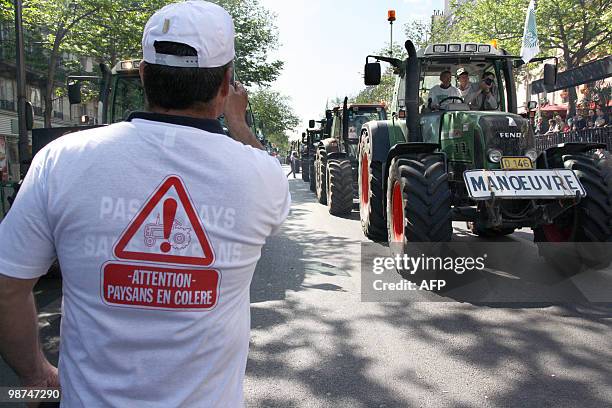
x,y
324,44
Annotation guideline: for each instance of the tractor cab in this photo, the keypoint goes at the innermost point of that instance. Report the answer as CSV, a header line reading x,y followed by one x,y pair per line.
x,y
352,117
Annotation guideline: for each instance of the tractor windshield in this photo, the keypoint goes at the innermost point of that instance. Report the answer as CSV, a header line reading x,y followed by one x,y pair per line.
x,y
360,115
128,97
431,70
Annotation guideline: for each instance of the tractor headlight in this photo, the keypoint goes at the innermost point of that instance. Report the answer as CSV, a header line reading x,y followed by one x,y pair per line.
x,y
495,155
532,154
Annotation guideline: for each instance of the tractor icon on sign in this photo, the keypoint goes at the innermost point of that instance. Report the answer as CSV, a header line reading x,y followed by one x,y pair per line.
x,y
180,236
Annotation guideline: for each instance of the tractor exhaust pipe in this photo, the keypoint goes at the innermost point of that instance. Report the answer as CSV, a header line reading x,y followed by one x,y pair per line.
x,y
412,94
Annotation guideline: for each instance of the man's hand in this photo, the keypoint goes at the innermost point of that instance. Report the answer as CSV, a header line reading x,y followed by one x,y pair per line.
x,y
235,112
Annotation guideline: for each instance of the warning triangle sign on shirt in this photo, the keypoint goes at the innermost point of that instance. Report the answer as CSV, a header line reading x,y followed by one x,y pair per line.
x,y
167,229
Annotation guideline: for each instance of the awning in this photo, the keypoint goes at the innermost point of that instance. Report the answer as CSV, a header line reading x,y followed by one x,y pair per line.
x,y
554,108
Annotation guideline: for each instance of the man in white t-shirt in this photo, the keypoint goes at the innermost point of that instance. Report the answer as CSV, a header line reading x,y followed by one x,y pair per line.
x,y
439,93
158,223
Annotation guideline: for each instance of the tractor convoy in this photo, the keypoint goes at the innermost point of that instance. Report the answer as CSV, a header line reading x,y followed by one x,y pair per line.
x,y
429,165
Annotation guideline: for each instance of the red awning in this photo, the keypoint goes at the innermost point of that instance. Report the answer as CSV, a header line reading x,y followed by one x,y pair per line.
x,y
554,108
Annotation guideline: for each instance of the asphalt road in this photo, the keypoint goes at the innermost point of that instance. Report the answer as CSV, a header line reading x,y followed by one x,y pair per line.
x,y
315,343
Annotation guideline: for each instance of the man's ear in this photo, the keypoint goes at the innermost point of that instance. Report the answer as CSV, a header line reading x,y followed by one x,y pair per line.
x,y
141,70
224,89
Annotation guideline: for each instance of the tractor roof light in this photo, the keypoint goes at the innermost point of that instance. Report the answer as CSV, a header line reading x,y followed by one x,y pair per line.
x,y
439,48
471,47
454,48
484,48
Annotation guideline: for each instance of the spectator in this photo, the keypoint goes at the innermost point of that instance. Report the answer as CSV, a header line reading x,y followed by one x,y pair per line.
x,y
293,161
541,126
601,117
552,126
156,336
580,122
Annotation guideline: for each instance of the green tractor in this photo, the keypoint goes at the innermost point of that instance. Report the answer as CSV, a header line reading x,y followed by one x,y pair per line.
x,y
310,140
336,159
423,169
121,93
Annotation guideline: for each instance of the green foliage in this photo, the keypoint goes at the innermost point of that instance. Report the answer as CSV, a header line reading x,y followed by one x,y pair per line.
x,y
256,36
579,29
274,115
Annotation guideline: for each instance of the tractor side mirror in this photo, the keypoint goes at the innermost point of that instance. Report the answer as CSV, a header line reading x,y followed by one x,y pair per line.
x,y
372,73
550,75
74,93
29,116
531,105
311,124
303,137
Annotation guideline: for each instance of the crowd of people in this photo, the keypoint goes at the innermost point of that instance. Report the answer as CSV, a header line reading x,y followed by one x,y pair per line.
x,y
592,119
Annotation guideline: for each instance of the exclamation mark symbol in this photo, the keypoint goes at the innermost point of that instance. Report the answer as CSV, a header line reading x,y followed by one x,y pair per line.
x,y
169,214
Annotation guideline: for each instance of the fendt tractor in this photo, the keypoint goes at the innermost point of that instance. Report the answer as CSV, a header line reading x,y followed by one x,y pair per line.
x,y
336,161
424,168
121,93
310,139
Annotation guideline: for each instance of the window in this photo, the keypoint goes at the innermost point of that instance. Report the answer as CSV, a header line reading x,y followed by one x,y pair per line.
x,y
35,97
7,91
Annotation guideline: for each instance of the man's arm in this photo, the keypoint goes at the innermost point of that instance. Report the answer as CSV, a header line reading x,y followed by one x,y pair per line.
x,y
234,113
19,341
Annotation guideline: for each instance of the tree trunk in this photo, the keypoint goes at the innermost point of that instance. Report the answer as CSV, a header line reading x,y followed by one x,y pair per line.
x,y
51,70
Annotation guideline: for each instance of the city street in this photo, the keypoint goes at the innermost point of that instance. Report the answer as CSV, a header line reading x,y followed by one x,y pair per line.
x,y
314,343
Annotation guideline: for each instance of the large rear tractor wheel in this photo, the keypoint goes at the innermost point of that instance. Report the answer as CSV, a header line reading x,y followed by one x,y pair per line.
x,y
588,225
339,186
305,174
371,194
321,176
418,202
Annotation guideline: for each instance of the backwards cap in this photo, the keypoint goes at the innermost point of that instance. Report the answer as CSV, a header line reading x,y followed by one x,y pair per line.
x,y
205,26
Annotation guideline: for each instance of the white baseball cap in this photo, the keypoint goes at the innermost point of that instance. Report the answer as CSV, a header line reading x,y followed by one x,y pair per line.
x,y
204,26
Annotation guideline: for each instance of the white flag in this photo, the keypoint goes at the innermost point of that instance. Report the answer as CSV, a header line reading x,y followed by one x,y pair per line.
x,y
530,47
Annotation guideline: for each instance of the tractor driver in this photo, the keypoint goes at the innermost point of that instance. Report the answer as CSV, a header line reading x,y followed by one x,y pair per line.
x,y
439,93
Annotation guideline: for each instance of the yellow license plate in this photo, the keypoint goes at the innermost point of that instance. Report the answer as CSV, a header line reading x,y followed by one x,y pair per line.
x,y
516,163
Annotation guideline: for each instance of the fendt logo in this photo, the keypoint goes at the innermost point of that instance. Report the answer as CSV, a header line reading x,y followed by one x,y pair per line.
x,y
511,135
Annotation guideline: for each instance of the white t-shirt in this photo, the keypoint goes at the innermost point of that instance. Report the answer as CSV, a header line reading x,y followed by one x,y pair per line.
x,y
158,224
437,94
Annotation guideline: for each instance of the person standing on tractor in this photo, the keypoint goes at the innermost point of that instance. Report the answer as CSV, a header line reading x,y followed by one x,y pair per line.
x,y
439,93
123,341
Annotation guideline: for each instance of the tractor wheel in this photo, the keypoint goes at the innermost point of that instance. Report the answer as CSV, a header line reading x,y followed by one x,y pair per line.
x,y
305,174
489,232
320,171
588,225
371,194
313,176
339,186
418,202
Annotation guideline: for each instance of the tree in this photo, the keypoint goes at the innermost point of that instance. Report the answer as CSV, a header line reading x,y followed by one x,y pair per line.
x,y
274,115
256,36
111,30
579,30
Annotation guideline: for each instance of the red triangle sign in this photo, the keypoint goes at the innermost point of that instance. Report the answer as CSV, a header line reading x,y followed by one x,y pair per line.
x,y
167,229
